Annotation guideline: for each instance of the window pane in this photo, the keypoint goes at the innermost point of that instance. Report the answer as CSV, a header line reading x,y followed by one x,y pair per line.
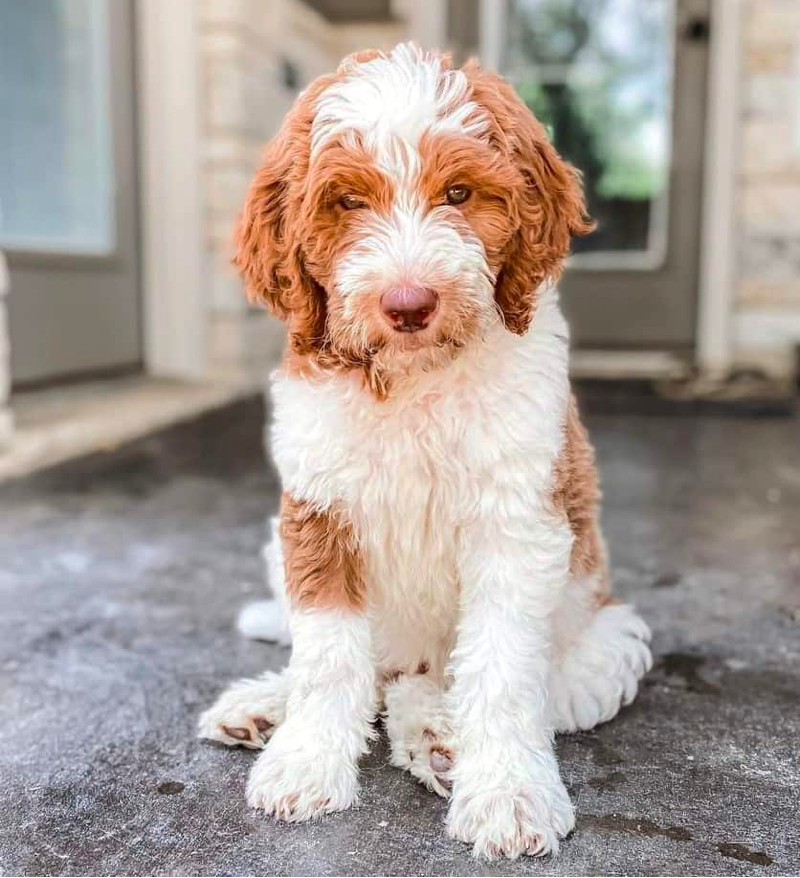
x,y
55,142
598,73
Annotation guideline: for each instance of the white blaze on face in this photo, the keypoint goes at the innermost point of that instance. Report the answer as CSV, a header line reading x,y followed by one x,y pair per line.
x,y
415,247
389,103
400,95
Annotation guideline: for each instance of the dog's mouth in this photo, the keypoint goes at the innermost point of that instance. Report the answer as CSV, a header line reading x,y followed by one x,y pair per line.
x,y
406,340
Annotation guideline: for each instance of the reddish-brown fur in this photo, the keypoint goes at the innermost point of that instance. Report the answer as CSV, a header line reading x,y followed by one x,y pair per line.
x,y
322,564
490,211
547,210
268,247
292,230
576,495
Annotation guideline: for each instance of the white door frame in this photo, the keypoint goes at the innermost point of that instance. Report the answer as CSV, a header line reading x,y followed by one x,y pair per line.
x,y
718,244
174,294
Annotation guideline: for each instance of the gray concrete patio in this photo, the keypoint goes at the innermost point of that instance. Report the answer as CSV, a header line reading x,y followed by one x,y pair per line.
x,y
121,576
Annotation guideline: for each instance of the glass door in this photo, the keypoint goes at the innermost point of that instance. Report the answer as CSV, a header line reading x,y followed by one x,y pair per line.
x,y
68,219
620,85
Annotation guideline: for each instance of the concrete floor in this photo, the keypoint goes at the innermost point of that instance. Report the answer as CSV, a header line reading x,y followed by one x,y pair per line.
x,y
121,576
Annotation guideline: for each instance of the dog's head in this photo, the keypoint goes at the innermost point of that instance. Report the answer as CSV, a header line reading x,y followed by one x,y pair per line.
x,y
406,206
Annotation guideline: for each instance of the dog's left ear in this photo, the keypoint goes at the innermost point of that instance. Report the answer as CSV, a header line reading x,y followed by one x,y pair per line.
x,y
549,206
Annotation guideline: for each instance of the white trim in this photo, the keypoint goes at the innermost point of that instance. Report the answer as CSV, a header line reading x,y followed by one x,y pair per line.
x,y
718,238
169,173
615,365
6,417
491,32
427,22
625,260
796,106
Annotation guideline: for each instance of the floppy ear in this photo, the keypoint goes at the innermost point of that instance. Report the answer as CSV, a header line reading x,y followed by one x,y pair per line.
x,y
549,207
268,251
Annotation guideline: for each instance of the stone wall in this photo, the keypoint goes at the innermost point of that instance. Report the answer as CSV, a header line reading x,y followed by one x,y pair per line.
x,y
766,320
254,57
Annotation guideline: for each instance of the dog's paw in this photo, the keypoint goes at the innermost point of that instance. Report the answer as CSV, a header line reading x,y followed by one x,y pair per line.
x,y
420,736
294,780
503,821
247,712
601,674
429,755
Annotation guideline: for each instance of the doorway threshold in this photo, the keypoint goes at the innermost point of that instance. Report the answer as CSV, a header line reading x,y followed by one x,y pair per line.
x,y
626,364
60,423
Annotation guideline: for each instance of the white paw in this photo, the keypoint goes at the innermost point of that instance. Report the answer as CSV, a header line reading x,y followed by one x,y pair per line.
x,y
602,673
502,820
429,756
420,737
247,712
296,779
265,620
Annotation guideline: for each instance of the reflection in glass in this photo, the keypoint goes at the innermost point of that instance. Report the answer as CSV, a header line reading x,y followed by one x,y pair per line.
x,y
598,73
55,142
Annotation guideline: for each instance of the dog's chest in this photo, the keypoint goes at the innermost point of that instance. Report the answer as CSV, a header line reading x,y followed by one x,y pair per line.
x,y
406,475
462,453
413,472
417,489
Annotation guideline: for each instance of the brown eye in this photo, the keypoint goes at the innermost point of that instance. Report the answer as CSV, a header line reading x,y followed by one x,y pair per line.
x,y
457,194
351,202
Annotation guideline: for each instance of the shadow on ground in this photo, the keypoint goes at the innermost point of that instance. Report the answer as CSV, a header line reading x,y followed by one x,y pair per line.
x,y
121,576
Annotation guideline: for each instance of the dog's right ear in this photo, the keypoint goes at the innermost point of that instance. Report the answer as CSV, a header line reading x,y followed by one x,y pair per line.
x,y
261,240
268,252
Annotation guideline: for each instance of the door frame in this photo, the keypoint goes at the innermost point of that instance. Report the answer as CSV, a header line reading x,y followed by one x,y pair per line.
x,y
174,294
713,353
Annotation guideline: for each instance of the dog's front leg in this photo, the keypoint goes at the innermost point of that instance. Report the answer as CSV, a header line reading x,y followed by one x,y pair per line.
x,y
310,765
508,798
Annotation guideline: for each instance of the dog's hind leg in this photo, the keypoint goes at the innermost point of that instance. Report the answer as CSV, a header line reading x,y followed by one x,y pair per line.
x,y
599,671
269,620
420,736
247,712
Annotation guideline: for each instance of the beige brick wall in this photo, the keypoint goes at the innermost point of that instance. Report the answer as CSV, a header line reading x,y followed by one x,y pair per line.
x,y
245,46
766,320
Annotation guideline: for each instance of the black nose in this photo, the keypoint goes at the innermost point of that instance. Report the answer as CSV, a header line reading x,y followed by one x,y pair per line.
x,y
409,309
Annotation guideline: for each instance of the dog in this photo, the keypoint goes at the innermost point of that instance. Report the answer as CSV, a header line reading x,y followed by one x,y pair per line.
x,y
438,555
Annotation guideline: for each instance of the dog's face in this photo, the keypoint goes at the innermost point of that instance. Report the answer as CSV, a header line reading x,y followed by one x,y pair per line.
x,y
403,207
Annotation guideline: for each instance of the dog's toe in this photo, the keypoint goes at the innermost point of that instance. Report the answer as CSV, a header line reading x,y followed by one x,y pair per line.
x,y
246,714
